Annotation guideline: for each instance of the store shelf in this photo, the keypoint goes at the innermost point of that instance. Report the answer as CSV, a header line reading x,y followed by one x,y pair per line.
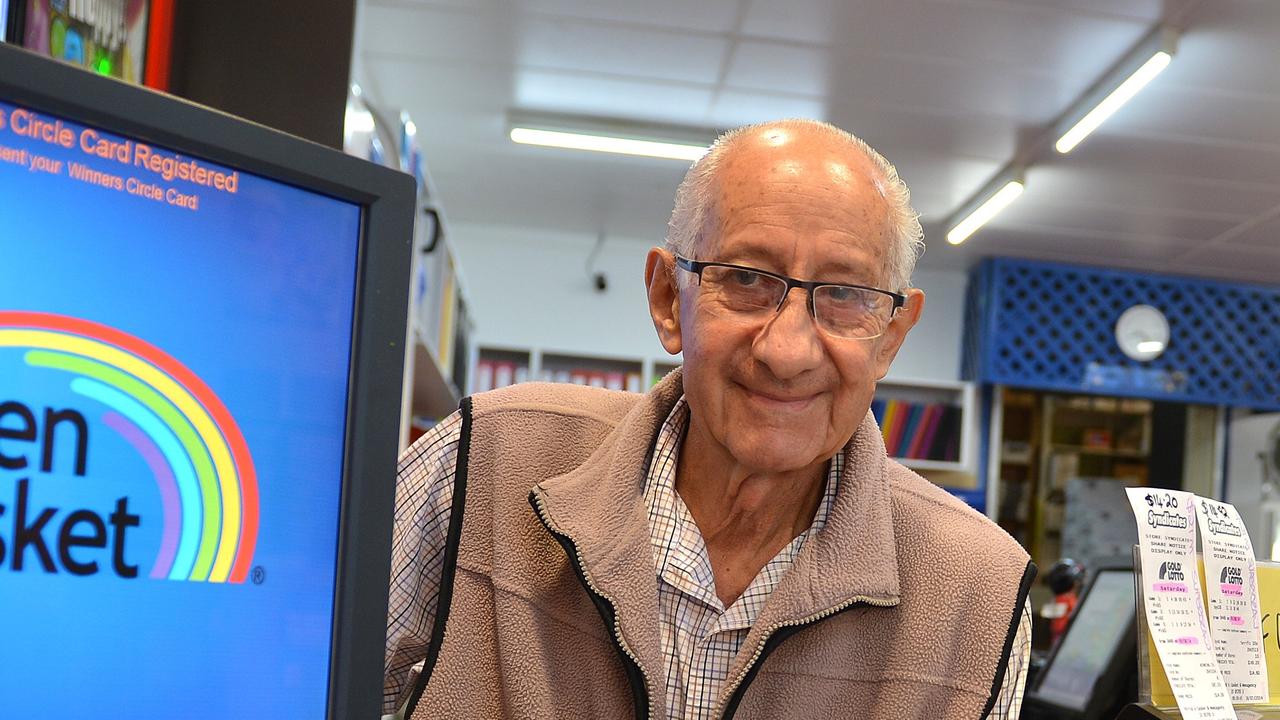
x,y
499,367
1102,405
438,352
660,370
1013,460
929,425
1107,452
434,395
939,465
541,364
614,373
1061,437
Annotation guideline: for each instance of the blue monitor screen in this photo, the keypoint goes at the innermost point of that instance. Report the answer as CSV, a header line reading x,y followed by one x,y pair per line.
x,y
175,338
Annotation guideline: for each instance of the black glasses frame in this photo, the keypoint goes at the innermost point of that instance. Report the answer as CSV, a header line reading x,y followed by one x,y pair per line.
x,y
696,267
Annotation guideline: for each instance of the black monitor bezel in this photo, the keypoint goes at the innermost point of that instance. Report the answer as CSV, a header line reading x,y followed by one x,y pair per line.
x,y
13,25
1107,685
387,197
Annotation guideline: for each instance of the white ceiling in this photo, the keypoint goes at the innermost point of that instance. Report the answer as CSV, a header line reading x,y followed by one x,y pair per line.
x,y
1186,178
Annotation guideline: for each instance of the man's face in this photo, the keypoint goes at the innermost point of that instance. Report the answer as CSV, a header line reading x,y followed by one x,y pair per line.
x,y
777,392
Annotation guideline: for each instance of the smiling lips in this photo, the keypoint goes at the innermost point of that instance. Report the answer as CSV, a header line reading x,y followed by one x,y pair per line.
x,y
781,403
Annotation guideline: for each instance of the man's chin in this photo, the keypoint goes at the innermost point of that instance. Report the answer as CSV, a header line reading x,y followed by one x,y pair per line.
x,y
773,452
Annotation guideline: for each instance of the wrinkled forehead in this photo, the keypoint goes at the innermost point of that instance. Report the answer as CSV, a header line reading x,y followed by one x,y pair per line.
x,y
794,183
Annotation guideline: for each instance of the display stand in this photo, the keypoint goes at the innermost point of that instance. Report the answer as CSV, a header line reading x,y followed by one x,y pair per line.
x,y
1146,711
1093,665
1155,697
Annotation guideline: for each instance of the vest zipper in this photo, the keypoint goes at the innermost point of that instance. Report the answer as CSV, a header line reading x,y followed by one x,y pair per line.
x,y
604,604
773,637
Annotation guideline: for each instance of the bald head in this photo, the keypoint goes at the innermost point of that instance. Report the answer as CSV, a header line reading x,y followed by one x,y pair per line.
x,y
797,151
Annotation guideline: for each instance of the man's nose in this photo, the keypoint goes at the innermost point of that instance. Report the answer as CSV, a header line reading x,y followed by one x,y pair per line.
x,y
788,344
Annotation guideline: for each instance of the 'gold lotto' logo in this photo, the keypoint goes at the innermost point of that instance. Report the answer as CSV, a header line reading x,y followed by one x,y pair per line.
x,y
183,432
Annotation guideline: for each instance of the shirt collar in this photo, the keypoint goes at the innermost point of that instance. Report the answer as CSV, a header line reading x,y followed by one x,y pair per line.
x,y
679,551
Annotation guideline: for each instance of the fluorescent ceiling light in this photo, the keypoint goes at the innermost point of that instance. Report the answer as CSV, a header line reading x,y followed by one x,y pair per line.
x,y
1134,71
984,212
607,143
1111,103
1150,346
1120,83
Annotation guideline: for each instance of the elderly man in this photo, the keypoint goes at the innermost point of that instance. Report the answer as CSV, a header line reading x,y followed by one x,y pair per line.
x,y
735,543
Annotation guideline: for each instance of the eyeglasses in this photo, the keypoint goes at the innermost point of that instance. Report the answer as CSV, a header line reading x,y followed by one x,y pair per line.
x,y
853,312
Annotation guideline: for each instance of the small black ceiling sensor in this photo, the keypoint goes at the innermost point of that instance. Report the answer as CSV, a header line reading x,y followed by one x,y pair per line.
x,y
599,279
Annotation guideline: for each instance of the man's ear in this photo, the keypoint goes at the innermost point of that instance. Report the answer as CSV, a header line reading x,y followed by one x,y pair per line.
x,y
664,298
903,320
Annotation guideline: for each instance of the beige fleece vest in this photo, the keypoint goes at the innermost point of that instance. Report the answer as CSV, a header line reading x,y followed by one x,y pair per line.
x,y
903,606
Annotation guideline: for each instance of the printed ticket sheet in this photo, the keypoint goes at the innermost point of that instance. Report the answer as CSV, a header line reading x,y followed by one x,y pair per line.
x,y
1235,615
1171,596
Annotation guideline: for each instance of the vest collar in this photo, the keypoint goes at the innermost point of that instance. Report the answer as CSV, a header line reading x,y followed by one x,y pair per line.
x,y
599,506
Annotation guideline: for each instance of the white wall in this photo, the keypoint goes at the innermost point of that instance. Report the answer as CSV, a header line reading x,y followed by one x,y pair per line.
x,y
531,288
932,350
1246,482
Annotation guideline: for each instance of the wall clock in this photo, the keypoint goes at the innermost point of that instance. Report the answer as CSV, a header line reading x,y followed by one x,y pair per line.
x,y
1142,332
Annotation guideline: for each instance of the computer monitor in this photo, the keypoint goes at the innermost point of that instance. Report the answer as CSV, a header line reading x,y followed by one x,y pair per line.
x,y
202,328
1094,660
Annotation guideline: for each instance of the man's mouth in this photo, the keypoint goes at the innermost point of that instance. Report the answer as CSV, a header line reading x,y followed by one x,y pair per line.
x,y
781,402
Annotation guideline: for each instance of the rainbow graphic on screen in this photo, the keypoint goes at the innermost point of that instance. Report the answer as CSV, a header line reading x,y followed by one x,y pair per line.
x,y
202,467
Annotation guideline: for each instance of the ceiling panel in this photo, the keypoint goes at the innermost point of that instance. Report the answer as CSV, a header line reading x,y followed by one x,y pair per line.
x,y
805,21
436,92
599,194
1231,163
1168,109
1185,179
1021,38
733,108
1051,245
1230,46
1058,244
1081,184
1112,220
621,50
894,131
714,16
1251,263
797,69
934,87
939,182
440,34
612,97
1265,234
471,6
1147,11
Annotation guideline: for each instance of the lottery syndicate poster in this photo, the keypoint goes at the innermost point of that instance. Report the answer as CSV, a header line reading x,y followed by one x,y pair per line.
x,y
174,350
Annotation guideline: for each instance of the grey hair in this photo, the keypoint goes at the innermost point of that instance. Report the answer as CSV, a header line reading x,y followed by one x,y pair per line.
x,y
695,199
